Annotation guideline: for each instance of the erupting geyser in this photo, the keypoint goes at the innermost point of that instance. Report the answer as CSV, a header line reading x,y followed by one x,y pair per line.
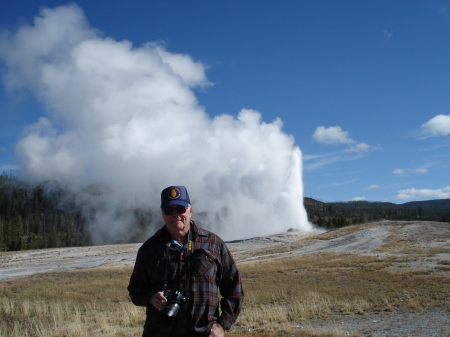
x,y
126,119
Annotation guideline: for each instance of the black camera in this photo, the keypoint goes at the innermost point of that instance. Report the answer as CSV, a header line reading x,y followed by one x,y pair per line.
x,y
174,300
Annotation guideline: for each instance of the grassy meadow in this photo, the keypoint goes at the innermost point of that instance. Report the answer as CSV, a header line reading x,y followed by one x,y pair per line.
x,y
280,295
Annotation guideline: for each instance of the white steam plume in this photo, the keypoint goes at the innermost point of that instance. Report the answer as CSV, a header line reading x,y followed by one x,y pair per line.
x,y
127,119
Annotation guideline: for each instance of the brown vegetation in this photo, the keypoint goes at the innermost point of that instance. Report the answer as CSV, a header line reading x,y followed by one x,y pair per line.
x,y
281,294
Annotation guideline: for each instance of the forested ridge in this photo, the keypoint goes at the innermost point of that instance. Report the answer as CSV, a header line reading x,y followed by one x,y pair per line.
x,y
33,217
340,214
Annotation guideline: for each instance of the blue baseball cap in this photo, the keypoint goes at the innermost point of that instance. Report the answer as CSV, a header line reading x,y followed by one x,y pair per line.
x,y
175,195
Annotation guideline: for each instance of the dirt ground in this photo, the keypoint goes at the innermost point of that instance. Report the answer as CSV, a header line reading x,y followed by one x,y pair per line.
x,y
389,238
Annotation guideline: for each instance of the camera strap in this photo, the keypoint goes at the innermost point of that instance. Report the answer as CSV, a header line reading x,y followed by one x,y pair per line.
x,y
189,250
166,267
190,244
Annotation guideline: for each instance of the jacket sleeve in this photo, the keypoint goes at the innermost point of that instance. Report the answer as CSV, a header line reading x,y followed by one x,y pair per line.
x,y
230,286
139,286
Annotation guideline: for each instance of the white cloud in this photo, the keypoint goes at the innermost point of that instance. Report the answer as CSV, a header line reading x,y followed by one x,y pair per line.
x,y
313,162
360,148
372,187
331,135
399,171
413,193
334,135
438,126
408,171
127,118
359,199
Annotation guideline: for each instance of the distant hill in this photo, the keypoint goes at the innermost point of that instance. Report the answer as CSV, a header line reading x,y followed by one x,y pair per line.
x,y
35,217
438,204
432,205
339,214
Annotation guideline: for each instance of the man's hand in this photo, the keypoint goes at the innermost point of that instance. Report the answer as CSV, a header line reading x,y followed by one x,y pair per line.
x,y
158,300
217,331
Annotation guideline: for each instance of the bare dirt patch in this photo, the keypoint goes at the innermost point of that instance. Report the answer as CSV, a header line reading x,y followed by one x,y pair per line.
x,y
412,247
418,246
27,263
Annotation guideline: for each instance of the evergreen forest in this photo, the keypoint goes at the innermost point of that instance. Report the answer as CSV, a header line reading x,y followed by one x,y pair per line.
x,y
340,214
32,217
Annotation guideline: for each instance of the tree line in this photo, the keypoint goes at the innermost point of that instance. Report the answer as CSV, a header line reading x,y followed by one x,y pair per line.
x,y
340,214
32,217
39,217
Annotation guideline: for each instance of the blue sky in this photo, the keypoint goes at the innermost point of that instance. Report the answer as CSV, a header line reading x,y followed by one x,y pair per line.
x,y
363,87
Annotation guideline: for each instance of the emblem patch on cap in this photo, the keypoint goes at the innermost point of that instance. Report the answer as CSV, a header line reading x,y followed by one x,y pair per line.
x,y
174,193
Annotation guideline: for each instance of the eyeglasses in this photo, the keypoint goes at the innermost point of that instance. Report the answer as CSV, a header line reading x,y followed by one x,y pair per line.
x,y
174,210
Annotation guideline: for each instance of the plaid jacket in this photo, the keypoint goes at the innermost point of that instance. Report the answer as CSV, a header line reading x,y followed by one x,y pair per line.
x,y
212,269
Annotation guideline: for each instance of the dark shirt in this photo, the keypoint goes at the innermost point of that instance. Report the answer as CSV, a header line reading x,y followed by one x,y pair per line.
x,y
211,268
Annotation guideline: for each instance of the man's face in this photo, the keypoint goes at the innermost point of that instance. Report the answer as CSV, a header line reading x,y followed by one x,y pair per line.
x,y
178,222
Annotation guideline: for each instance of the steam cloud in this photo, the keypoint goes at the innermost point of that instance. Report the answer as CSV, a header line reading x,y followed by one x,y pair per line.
x,y
127,119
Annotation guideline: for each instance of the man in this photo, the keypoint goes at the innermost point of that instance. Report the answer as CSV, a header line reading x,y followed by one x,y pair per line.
x,y
179,272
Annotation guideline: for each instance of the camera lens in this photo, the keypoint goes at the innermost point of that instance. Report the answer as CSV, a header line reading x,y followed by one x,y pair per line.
x,y
172,309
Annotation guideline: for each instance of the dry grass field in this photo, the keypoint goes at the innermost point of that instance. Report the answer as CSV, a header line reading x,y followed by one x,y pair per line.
x,y
291,288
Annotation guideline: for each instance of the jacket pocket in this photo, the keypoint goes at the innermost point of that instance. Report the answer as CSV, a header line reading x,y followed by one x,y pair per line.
x,y
203,264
